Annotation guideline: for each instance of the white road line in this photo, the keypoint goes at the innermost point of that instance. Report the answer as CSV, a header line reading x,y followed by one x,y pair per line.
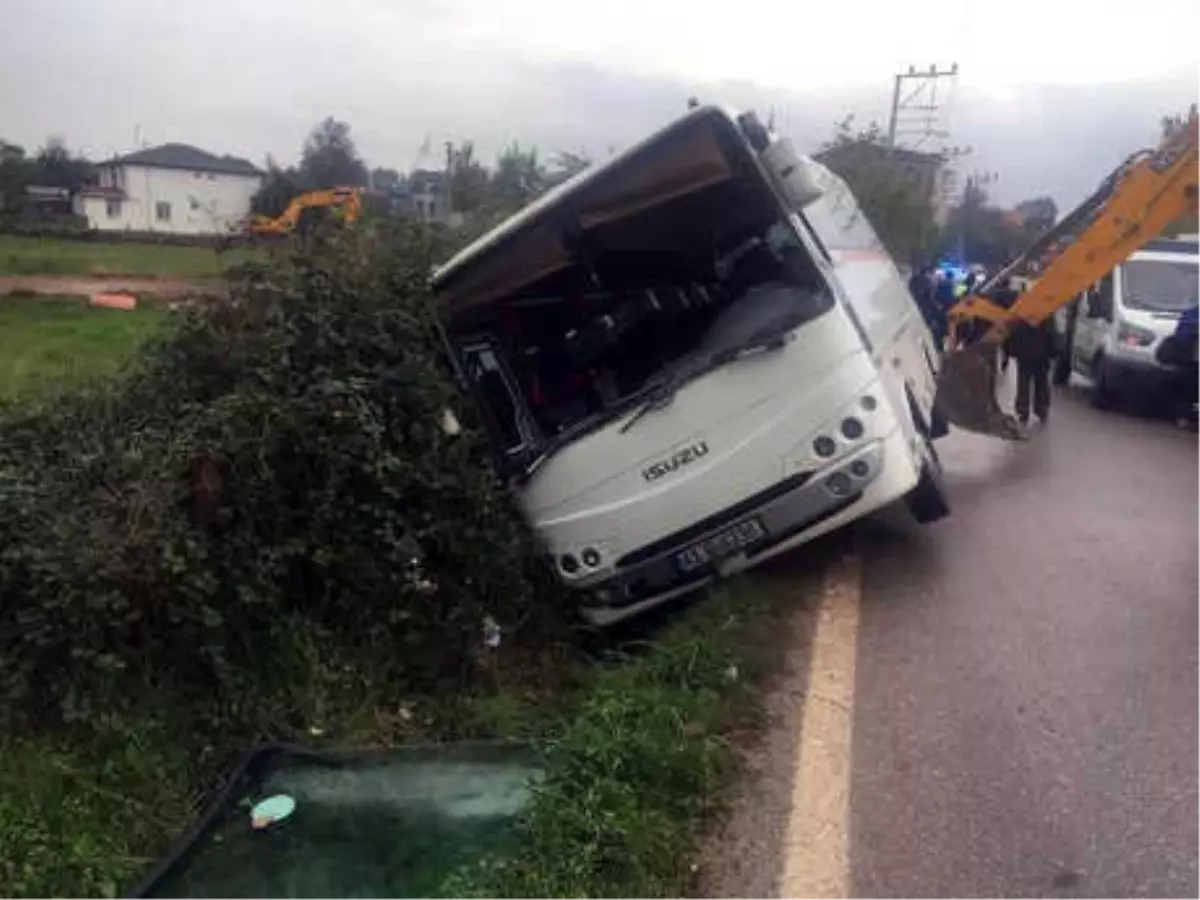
x,y
816,858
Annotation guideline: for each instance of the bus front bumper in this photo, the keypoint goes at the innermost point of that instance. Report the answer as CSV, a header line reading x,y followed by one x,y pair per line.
x,y
788,514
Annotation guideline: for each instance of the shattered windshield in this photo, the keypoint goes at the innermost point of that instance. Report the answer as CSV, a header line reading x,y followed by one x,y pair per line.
x,y
760,320
394,823
1160,285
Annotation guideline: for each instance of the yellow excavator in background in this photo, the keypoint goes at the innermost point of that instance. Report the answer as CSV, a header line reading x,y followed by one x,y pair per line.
x,y
347,202
1134,205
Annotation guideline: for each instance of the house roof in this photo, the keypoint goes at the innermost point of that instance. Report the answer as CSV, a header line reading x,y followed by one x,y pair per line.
x,y
185,156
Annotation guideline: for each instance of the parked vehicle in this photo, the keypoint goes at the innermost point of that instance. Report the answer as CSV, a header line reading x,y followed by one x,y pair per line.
x,y
1115,329
693,358
1106,247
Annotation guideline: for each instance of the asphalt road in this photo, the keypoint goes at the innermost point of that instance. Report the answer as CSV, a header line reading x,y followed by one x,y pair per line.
x,y
1025,721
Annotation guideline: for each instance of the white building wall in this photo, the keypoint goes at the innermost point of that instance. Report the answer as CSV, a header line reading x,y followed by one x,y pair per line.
x,y
194,202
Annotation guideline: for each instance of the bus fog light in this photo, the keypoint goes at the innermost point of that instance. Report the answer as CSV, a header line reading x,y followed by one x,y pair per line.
x,y
569,564
859,468
591,557
838,484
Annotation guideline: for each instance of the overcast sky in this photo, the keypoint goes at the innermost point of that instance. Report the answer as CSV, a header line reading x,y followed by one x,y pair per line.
x,y
1049,96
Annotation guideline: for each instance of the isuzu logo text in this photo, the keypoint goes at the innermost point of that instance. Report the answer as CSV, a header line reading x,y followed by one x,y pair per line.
x,y
678,460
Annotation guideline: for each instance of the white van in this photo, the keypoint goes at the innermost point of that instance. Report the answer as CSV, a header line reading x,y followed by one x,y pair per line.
x,y
692,358
1115,329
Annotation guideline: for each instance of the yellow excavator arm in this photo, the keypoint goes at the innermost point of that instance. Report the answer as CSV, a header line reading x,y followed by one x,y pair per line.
x,y
1134,205
347,200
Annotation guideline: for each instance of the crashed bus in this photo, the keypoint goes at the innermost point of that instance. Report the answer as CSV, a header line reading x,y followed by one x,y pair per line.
x,y
691,358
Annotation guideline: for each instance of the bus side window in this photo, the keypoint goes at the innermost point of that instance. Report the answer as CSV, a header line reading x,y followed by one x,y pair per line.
x,y
485,372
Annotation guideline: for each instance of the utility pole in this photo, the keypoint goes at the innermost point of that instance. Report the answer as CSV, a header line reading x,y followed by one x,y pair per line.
x,y
921,98
916,107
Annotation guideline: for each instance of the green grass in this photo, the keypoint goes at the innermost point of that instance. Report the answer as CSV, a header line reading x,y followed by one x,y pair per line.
x,y
639,748
81,818
54,256
57,343
640,754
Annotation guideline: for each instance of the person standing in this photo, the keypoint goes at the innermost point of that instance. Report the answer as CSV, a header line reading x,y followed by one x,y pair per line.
x,y
1033,347
1006,297
1187,341
943,298
920,285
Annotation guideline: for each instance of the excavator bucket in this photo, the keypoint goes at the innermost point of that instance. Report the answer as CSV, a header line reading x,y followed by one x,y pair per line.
x,y
966,393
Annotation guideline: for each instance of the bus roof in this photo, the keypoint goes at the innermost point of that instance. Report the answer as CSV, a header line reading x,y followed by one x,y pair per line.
x,y
529,222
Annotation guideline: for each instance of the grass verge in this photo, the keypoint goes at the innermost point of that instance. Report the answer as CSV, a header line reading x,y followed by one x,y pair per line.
x,y
56,343
21,255
639,747
641,753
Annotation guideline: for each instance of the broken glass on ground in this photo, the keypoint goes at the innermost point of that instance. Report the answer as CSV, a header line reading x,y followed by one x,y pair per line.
x,y
391,823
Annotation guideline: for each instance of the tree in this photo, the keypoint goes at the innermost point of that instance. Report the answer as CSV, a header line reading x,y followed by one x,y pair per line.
x,y
13,174
54,166
330,158
469,179
978,232
899,207
566,165
1038,214
517,180
278,188
385,180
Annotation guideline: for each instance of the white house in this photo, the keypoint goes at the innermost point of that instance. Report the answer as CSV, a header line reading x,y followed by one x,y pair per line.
x,y
173,188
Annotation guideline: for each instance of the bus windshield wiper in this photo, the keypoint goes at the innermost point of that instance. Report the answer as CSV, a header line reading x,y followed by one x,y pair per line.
x,y
661,395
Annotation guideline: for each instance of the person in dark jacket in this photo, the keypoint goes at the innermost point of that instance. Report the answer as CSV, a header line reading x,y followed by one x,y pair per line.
x,y
920,285
1006,297
943,299
1033,347
944,290
1187,340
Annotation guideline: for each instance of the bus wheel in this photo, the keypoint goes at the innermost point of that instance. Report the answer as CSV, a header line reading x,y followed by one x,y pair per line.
x,y
928,502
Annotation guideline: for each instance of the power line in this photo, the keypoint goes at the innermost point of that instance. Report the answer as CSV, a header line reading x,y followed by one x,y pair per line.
x,y
916,105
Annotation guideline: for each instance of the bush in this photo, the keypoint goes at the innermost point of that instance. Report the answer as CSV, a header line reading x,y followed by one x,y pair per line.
x,y
268,499
59,225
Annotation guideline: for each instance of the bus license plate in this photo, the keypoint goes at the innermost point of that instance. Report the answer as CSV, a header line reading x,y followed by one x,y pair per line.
x,y
723,543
